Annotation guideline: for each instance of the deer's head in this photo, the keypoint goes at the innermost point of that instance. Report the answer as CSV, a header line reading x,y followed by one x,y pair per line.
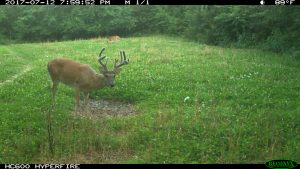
x,y
110,75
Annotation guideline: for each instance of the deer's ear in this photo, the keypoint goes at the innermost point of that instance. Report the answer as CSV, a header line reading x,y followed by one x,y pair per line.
x,y
117,70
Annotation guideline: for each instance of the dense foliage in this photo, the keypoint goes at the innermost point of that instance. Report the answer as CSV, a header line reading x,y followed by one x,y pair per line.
x,y
273,28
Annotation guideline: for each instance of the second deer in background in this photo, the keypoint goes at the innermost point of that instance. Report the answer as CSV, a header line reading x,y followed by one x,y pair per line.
x,y
113,38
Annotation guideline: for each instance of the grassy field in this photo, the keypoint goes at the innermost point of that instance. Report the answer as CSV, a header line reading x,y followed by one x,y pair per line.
x,y
244,105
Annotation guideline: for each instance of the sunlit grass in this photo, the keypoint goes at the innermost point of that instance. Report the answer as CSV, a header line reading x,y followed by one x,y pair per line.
x,y
243,105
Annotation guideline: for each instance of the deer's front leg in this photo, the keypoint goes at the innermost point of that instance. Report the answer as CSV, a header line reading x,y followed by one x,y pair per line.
x,y
77,98
54,90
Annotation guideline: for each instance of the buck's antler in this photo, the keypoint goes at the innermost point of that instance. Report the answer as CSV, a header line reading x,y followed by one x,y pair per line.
x,y
123,60
101,58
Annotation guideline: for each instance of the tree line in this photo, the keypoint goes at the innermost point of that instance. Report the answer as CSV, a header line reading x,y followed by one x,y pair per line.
x,y
274,28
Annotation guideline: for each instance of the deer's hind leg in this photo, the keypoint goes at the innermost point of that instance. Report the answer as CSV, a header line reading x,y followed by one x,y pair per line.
x,y
86,101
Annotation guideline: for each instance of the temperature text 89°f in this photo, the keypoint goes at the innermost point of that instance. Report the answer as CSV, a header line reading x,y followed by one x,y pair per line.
x,y
284,2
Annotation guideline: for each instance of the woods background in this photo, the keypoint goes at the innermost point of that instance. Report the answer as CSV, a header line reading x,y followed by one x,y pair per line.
x,y
274,28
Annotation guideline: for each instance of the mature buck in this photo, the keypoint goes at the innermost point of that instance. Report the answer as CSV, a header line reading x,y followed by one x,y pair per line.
x,y
82,77
113,38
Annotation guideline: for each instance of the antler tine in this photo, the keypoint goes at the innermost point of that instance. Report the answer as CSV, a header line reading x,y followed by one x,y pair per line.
x,y
101,58
121,56
101,52
125,57
123,60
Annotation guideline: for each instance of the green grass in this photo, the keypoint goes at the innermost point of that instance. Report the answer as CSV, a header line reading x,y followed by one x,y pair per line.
x,y
244,105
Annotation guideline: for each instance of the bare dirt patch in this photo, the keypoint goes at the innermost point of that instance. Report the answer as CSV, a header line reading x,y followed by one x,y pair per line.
x,y
107,108
92,157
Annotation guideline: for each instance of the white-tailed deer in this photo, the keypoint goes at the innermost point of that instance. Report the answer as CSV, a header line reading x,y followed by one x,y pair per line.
x,y
82,77
113,38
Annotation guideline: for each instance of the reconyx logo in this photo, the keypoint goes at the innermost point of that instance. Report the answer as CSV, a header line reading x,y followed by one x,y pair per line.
x,y
281,164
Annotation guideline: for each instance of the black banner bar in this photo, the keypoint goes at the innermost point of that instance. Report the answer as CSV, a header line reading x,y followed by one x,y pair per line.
x,y
132,166
136,166
149,2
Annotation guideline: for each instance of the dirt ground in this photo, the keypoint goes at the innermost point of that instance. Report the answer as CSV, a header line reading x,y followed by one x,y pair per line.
x,y
107,108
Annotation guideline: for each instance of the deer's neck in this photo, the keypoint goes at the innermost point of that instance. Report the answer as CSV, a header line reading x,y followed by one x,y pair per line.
x,y
100,81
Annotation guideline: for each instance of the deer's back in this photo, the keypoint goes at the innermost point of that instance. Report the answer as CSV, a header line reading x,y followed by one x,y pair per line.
x,y
69,72
112,38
